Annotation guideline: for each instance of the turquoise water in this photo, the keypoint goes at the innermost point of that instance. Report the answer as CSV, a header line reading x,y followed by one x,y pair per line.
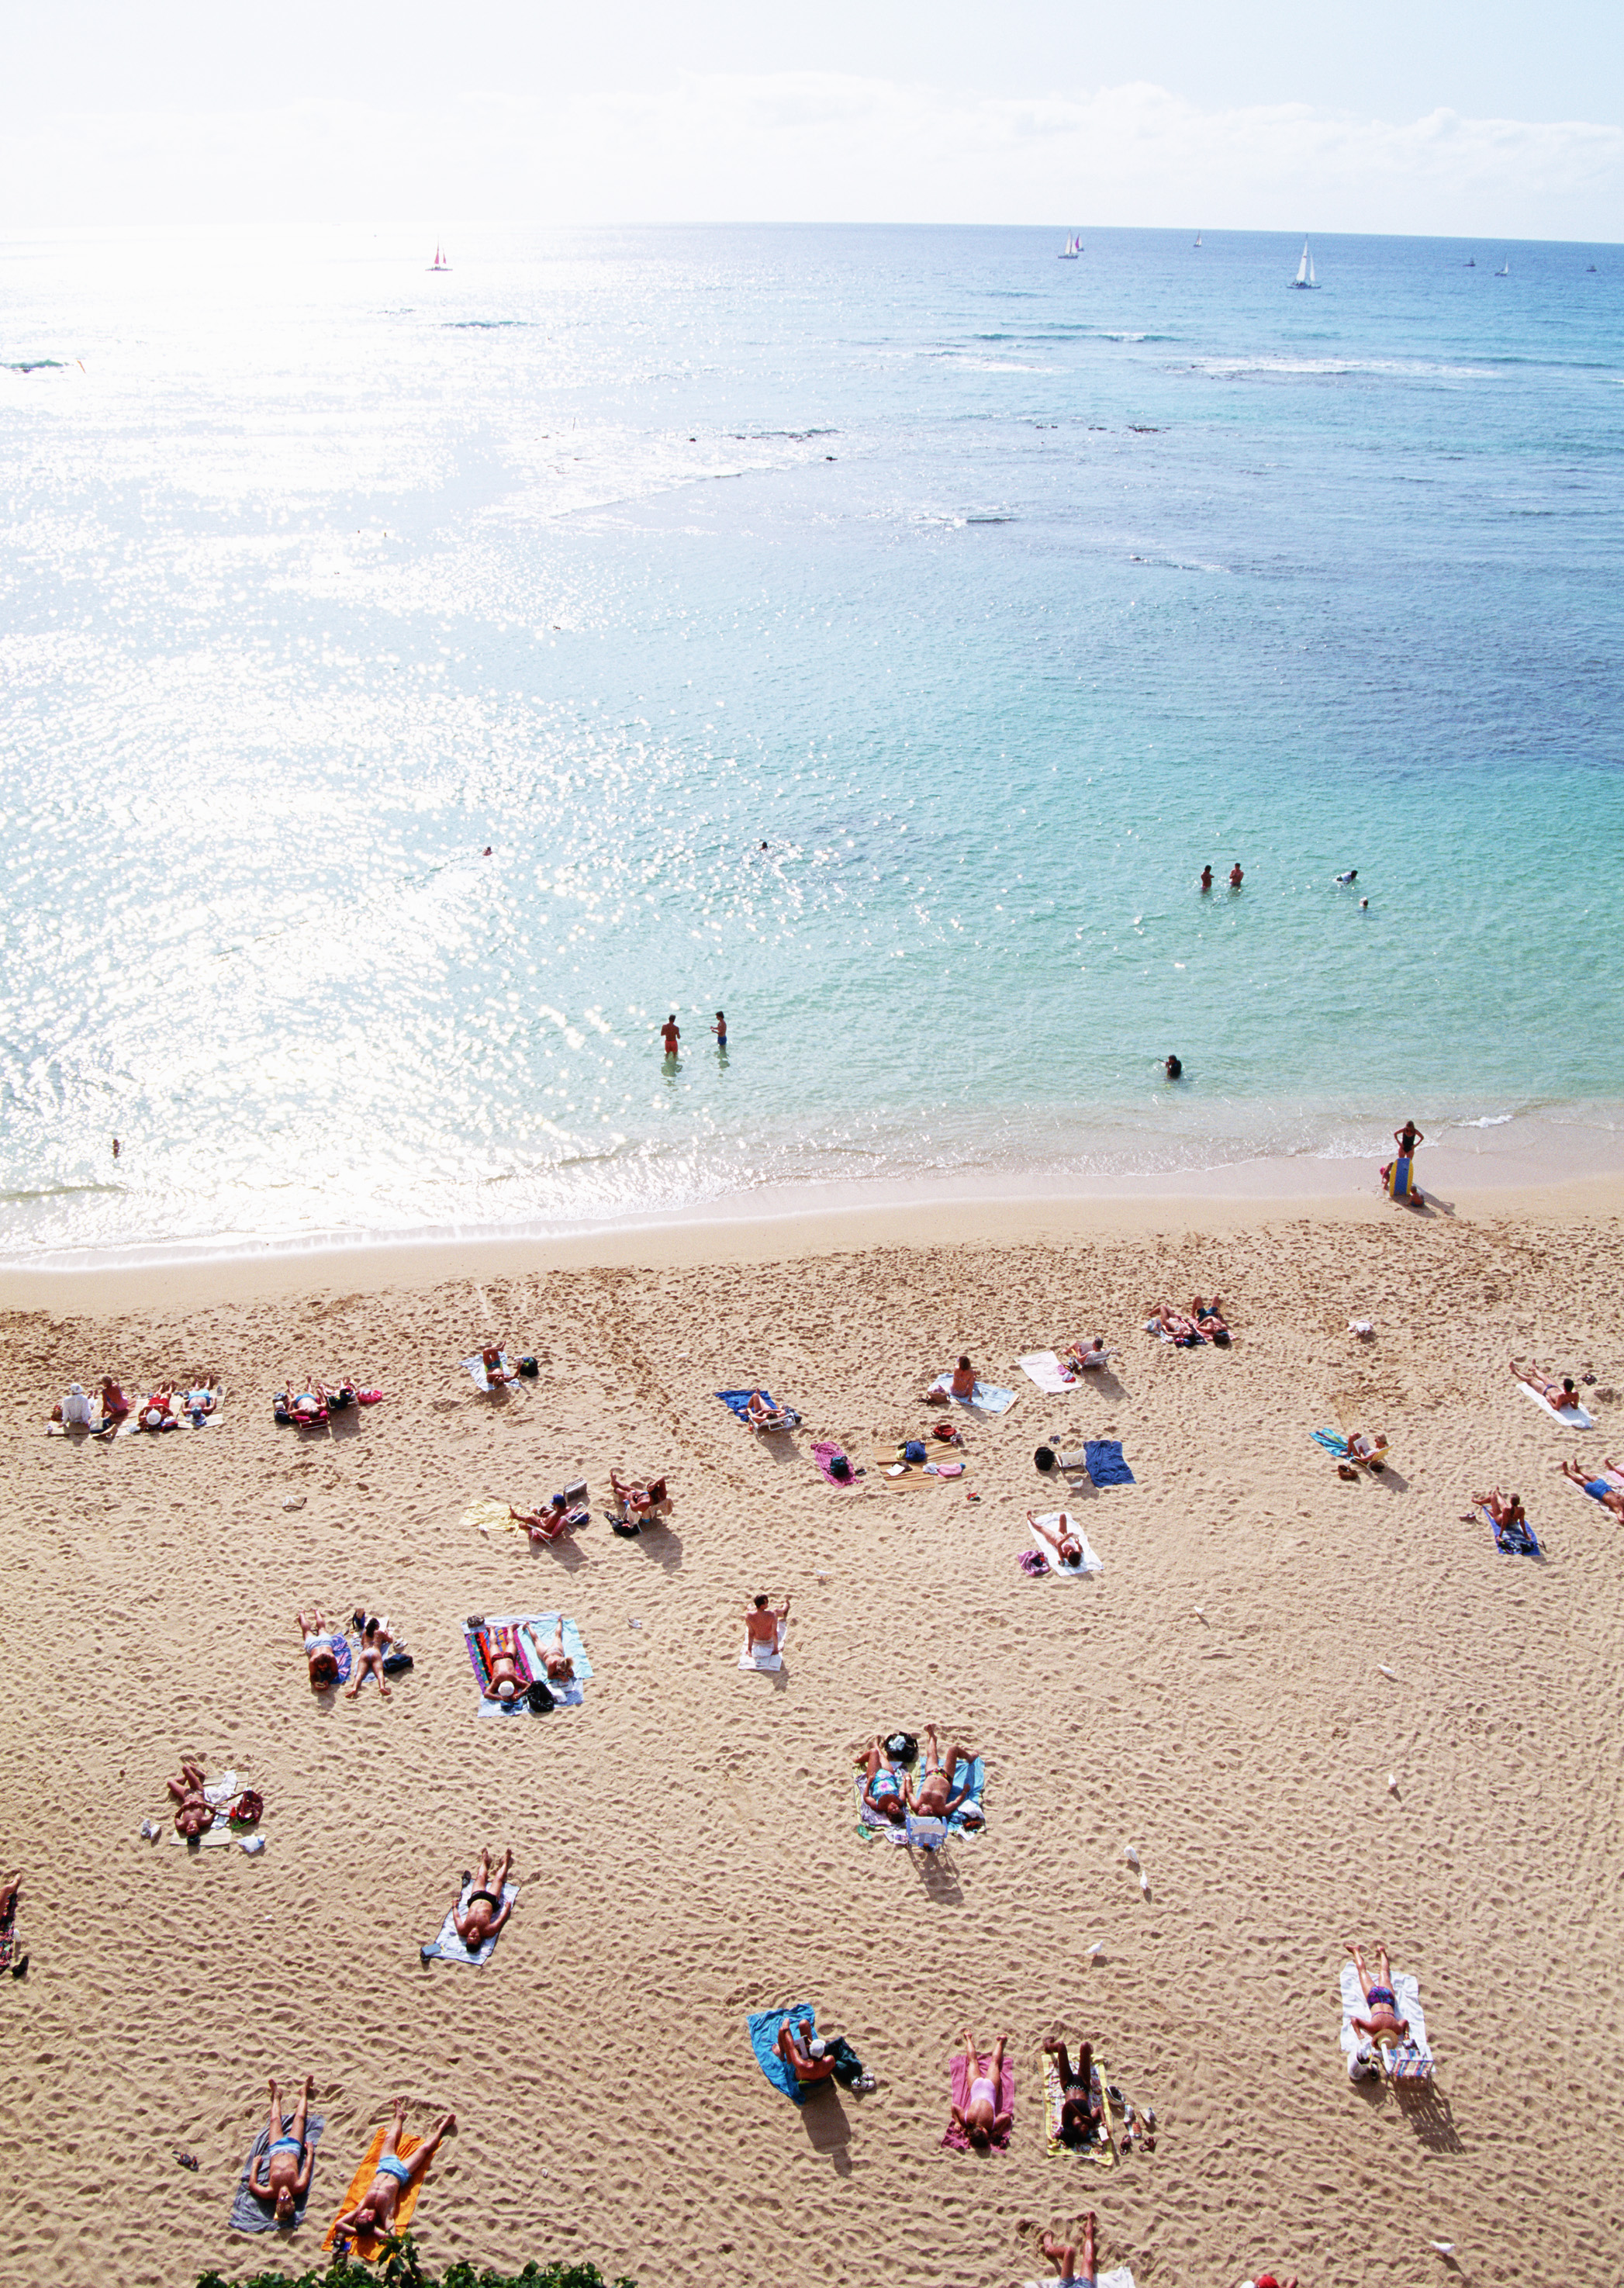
x,y
995,594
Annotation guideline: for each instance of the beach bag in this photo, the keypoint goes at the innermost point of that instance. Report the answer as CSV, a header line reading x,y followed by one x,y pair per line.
x,y
948,1431
914,1451
396,1664
529,1368
840,1468
902,1747
540,1696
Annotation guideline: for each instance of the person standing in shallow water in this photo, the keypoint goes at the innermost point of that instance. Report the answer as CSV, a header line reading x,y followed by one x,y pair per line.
x,y
1236,877
1206,877
1174,1069
670,1032
1407,1137
720,1029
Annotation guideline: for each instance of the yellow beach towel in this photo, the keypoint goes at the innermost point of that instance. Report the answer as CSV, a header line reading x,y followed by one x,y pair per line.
x,y
490,1517
365,2246
1101,2150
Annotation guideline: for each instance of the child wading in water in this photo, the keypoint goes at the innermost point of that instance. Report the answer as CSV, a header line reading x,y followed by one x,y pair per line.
x,y
720,1028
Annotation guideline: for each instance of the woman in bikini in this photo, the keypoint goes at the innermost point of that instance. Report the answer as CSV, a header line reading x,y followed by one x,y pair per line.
x,y
1383,2023
883,1798
1209,1320
372,2215
1601,1490
1176,1327
1081,2108
1060,1538
484,1911
373,1642
982,2120
281,2175
936,1796
193,1812
759,1411
502,1646
1546,1387
321,1651
559,1667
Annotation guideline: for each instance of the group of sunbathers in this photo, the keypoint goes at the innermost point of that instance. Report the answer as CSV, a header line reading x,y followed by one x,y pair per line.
x,y
1202,1323
942,1788
374,1646
503,1653
281,2175
164,1408
318,1400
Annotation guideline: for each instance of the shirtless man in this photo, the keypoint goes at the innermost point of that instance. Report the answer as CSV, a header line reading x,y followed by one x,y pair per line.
x,y
373,1642
1085,1358
372,2215
543,1525
486,1910
963,1383
281,2175
1383,2023
936,1797
1081,2111
1546,1387
764,1624
1063,2255
1060,1538
982,2120
1236,877
321,1651
884,1795
1601,1490
806,2054
193,1813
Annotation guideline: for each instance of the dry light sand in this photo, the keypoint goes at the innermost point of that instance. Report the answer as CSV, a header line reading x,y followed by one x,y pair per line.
x,y
688,1837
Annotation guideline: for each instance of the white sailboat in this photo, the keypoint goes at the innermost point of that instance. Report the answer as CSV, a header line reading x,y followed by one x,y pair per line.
x,y
1071,250
1504,270
1197,237
440,261
1305,269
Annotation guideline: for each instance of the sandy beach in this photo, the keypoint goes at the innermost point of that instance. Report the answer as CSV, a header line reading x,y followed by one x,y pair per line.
x,y
1319,1710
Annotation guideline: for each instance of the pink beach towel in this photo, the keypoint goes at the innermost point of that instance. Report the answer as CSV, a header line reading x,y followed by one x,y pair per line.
x,y
955,2140
823,1454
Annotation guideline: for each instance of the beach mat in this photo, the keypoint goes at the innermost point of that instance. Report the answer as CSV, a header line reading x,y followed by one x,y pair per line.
x,y
367,2247
956,2141
986,1398
1107,1465
248,2214
1044,1369
916,1476
1412,2060
1092,1562
448,1948
764,2025
1571,1417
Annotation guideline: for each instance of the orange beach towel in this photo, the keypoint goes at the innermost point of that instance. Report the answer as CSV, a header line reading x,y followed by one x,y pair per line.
x,y
366,2247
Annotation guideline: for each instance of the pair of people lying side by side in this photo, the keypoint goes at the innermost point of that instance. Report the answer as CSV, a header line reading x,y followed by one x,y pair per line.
x,y
503,1655
890,1794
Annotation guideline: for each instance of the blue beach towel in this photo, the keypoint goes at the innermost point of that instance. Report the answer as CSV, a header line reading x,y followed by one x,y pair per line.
x,y
1514,1542
764,2025
1332,1444
248,2214
977,1782
1106,1467
738,1402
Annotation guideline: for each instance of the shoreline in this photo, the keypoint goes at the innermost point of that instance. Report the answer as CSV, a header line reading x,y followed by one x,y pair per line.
x,y
787,1225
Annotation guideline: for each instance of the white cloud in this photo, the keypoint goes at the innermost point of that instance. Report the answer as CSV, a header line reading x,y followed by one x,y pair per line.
x,y
823,147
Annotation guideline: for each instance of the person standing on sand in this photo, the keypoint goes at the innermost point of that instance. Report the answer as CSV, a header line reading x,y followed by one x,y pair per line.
x,y
670,1032
1407,1139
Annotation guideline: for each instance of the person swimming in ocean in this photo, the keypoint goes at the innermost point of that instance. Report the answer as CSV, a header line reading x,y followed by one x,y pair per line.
x,y
1174,1069
1351,875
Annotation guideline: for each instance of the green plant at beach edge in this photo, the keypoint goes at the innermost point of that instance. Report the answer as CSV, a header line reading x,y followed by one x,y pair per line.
x,y
400,2266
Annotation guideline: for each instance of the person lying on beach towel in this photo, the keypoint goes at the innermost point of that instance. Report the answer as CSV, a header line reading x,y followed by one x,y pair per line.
x,y
373,2214
503,1652
1210,1320
1512,1531
559,1667
1173,1326
193,1813
280,2176
982,2118
305,1408
374,1639
1601,1490
885,1787
1081,2105
493,1359
1063,2255
942,1788
481,1915
1383,2024
326,1652
1056,1531
1556,1394
157,1409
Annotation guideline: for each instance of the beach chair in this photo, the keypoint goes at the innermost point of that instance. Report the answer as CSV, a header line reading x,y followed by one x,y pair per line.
x,y
637,1499
1350,1414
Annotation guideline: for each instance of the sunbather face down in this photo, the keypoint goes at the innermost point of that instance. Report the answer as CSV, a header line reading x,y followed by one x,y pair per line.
x,y
1554,1392
319,1655
194,1813
1061,1538
372,1641
486,1910
373,2212
281,2175
941,1788
803,2052
1599,1488
504,1650
1383,2023
884,1797
1079,2104
982,2120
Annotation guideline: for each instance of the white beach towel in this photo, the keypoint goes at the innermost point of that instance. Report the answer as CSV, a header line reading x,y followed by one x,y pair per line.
x,y
1571,1417
1408,2061
481,1381
986,1398
1044,1369
758,1657
219,1794
448,1948
1091,1563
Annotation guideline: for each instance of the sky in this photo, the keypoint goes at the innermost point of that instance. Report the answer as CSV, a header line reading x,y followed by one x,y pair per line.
x,y
1446,116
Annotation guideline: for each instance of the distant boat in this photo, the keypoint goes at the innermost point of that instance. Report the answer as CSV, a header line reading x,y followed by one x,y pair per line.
x,y
1071,250
1591,270
1305,269
1197,237
1504,270
440,261
1471,262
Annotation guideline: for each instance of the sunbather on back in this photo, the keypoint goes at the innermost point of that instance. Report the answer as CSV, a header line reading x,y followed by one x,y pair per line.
x,y
494,1370
883,1789
1210,1320
193,1813
1080,2103
559,1667
1599,1489
281,2173
486,1910
321,1651
1063,2255
1176,1326
373,2213
1555,1392
760,1411
1061,1538
982,2120
1383,2023
940,1791
158,1411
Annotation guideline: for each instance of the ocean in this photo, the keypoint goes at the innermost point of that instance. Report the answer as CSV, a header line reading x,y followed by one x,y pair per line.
x,y
870,632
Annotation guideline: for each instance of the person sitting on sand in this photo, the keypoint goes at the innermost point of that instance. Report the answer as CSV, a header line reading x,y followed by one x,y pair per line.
x,y
502,1644
1601,1490
114,1405
806,2054
1505,1515
321,1651
1383,2023
760,1411
764,1626
963,1383
1209,1320
193,1812
281,2175
484,1911
1546,1387
982,2120
1085,1358
883,1788
1081,2107
491,1359
373,1640
372,2215
75,1411
1174,1326
939,1791
1063,2255
1061,1538
543,1524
